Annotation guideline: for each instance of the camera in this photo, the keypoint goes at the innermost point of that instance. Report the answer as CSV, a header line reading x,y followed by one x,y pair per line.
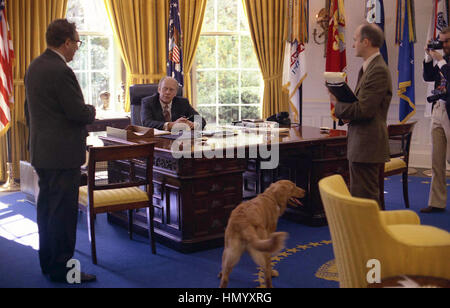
x,y
435,45
437,95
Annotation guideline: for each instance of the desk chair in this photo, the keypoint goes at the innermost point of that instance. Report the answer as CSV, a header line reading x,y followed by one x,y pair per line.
x,y
360,232
102,197
137,93
399,145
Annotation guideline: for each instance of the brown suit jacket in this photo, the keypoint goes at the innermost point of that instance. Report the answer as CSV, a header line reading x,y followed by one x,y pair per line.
x,y
367,130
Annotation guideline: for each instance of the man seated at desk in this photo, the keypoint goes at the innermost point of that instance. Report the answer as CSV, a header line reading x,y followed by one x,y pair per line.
x,y
164,109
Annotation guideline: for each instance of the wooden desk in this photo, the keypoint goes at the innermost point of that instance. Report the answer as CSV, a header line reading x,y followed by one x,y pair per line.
x,y
100,125
194,195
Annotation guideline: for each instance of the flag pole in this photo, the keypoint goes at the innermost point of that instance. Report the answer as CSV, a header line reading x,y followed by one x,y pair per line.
x,y
10,185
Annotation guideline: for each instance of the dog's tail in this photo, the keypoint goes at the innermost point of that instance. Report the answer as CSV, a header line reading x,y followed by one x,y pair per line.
x,y
273,244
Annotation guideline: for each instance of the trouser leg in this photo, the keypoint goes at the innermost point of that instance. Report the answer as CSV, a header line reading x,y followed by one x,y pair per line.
x,y
364,180
438,189
57,213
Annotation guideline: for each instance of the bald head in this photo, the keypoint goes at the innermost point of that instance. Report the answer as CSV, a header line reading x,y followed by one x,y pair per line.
x,y
372,33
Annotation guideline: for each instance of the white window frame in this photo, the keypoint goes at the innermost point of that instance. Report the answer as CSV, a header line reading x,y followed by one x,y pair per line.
x,y
217,70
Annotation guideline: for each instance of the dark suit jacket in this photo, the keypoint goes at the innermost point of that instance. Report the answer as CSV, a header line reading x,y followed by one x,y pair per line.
x,y
57,114
152,113
432,73
367,131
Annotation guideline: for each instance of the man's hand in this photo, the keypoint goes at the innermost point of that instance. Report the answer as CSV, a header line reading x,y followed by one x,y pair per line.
x,y
181,120
437,56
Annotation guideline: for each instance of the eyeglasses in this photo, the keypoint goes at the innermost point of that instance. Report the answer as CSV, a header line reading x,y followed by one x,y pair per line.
x,y
79,43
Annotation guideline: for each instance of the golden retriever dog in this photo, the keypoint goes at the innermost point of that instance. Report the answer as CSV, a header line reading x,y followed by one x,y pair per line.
x,y
251,227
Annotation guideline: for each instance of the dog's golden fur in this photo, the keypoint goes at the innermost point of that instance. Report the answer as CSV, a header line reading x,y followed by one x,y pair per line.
x,y
251,227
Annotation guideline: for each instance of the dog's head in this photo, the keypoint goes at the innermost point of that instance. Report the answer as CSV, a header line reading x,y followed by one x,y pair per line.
x,y
284,190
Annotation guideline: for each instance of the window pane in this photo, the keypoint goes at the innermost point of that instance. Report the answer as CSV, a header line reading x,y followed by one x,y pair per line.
x,y
88,15
250,79
209,19
100,82
227,19
80,61
248,56
99,52
251,112
206,57
206,84
84,82
228,114
251,95
208,113
228,52
229,88
225,57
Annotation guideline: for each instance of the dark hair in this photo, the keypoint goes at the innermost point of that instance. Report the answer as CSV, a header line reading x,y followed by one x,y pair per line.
x,y
373,33
59,31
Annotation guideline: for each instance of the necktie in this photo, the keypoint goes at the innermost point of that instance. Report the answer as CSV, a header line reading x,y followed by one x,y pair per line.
x,y
166,113
361,72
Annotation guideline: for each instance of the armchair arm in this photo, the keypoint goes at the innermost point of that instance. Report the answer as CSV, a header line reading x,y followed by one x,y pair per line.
x,y
399,217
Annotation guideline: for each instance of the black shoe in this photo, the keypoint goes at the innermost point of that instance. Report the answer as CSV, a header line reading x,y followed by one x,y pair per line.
x,y
88,277
83,278
432,209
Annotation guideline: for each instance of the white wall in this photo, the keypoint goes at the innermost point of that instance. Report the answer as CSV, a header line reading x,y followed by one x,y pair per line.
x,y
315,97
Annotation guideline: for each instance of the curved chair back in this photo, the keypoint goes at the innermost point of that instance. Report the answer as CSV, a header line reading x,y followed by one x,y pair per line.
x,y
360,233
137,93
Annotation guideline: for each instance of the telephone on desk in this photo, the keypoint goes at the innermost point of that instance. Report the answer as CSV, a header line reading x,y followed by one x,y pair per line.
x,y
281,118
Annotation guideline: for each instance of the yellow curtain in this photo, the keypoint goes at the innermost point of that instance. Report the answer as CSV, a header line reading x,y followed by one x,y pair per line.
x,y
192,13
268,27
28,21
140,28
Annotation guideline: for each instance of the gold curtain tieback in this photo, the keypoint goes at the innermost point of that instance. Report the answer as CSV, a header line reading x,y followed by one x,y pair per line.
x,y
278,76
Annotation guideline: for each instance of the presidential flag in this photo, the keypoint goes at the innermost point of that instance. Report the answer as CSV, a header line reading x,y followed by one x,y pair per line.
x,y
336,56
294,71
406,38
6,74
438,21
375,14
175,54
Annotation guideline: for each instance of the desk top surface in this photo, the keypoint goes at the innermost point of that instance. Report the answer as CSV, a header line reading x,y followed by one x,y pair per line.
x,y
294,135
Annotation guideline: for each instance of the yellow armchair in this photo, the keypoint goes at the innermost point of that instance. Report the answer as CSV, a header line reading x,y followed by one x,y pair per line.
x,y
360,232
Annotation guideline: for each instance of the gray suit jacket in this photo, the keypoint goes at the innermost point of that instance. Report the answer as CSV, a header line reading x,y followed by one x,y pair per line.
x,y
57,114
367,131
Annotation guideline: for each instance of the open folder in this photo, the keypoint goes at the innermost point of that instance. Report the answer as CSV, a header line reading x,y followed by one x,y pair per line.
x,y
335,82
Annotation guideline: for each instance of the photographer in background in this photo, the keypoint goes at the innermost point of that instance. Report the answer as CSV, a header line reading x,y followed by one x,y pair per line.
x,y
436,67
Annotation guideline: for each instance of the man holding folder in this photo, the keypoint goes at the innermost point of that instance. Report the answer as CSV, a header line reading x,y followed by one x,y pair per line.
x,y
368,145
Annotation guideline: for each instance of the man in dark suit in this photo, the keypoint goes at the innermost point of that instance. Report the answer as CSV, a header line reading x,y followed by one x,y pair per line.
x,y
368,145
57,118
436,68
164,109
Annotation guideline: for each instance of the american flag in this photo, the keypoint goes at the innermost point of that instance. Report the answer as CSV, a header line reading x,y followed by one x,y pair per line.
x,y
6,76
175,56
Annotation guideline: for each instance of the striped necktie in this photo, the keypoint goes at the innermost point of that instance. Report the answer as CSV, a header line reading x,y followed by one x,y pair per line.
x,y
166,113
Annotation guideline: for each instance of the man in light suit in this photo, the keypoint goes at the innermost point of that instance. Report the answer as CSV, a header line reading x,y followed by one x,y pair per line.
x,y
436,68
57,118
368,145
164,109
